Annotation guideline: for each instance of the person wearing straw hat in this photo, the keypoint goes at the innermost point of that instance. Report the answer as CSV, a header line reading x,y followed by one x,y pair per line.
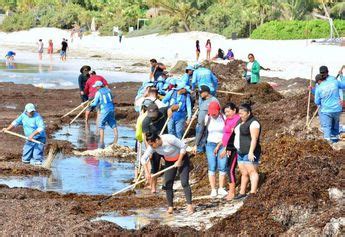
x,y
34,128
173,150
104,99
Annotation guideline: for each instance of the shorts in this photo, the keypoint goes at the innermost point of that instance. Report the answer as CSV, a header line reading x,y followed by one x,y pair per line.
x,y
92,108
107,118
63,53
243,159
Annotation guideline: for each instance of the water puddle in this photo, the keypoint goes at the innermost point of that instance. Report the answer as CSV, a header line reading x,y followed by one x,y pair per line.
x,y
139,219
78,175
204,217
56,76
84,137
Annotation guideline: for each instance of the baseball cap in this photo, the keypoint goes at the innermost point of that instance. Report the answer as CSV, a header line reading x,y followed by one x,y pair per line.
x,y
146,103
29,108
323,69
204,88
152,110
318,77
97,83
190,68
197,65
213,108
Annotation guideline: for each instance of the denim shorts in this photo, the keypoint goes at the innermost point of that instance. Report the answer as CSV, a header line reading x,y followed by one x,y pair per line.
x,y
243,159
214,161
107,118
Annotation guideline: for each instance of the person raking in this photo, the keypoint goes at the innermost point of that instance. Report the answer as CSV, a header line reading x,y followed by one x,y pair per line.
x,y
104,99
34,128
174,152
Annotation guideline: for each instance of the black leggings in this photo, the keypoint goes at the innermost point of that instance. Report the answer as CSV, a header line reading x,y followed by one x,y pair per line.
x,y
232,167
184,177
155,162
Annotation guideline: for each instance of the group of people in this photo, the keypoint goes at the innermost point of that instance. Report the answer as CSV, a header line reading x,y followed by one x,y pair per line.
x,y
50,49
94,90
328,96
220,53
228,135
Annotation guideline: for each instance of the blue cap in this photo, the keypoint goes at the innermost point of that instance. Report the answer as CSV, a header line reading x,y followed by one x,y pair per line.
x,y
197,65
97,83
190,68
29,108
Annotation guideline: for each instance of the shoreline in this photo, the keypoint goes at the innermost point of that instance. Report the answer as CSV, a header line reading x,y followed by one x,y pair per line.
x,y
299,55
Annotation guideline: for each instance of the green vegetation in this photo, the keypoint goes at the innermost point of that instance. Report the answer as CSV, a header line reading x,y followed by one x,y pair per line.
x,y
284,30
218,16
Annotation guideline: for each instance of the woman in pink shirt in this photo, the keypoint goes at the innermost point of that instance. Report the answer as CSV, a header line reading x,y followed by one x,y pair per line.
x,y
232,118
208,49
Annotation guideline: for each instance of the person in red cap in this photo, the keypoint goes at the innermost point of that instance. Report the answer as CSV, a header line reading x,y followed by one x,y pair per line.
x,y
90,92
214,123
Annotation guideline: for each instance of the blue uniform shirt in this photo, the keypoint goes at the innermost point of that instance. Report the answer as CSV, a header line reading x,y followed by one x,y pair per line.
x,y
204,76
186,79
31,124
184,102
104,98
327,95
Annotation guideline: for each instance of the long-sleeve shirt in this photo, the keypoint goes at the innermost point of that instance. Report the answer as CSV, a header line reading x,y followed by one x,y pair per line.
x,y
104,98
182,100
89,90
327,95
204,76
171,148
82,79
185,79
31,124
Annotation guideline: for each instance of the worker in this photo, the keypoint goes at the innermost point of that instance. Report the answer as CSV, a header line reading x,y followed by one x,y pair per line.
x,y
174,152
179,101
200,134
187,77
153,123
90,92
34,128
327,96
204,77
104,99
156,69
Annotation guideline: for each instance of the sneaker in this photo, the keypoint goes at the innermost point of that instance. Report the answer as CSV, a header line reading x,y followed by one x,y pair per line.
x,y
37,163
213,193
240,196
222,192
25,162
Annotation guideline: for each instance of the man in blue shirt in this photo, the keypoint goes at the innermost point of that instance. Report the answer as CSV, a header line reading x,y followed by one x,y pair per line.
x,y
186,78
104,99
327,96
204,77
34,128
179,101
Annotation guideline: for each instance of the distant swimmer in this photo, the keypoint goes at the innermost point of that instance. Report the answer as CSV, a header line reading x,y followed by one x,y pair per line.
x,y
10,55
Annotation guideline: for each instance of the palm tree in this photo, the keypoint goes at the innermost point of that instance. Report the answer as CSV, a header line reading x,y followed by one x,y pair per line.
x,y
183,10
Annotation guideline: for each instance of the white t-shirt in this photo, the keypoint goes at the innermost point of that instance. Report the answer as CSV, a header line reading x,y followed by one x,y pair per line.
x,y
237,143
171,147
215,128
249,67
